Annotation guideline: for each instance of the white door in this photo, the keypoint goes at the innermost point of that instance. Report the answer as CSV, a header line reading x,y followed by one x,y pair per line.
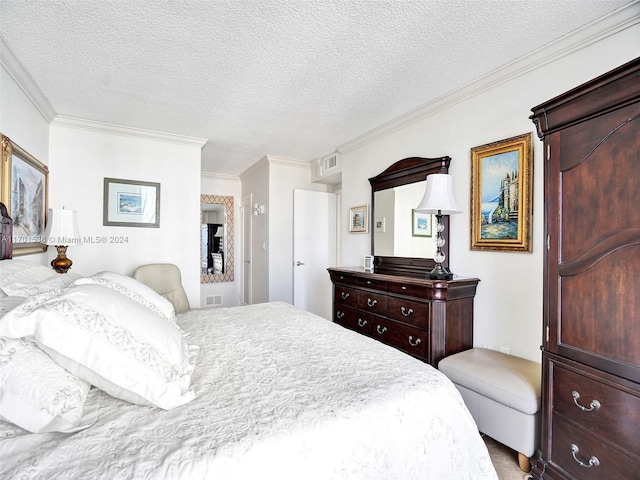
x,y
314,250
245,211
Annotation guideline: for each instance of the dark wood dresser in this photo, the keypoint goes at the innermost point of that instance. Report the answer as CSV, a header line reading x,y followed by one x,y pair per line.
x,y
591,344
428,319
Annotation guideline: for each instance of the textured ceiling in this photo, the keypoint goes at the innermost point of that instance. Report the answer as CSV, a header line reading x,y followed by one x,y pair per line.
x,y
288,78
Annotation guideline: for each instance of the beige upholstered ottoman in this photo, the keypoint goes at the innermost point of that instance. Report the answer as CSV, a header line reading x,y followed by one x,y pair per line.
x,y
502,393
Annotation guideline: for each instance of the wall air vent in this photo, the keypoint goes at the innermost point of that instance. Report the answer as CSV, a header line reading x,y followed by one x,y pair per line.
x,y
330,162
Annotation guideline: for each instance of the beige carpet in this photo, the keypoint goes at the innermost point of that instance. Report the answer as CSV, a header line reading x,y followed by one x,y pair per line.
x,y
504,460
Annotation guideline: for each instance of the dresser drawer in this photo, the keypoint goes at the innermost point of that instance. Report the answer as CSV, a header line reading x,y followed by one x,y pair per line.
x,y
372,283
373,302
346,296
411,290
408,311
578,452
344,278
352,319
608,412
402,337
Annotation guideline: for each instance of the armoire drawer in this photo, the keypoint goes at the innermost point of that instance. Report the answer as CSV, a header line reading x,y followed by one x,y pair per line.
x,y
372,283
402,337
373,302
352,319
408,311
585,457
346,296
608,412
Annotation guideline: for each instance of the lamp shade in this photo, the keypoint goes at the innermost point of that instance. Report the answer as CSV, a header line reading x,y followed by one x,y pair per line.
x,y
62,227
438,195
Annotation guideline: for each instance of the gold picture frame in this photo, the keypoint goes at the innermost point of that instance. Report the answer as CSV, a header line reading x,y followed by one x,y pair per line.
x,y
25,193
359,219
502,194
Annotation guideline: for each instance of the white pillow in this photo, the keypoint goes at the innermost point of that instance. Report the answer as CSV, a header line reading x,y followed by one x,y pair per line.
x,y
135,290
19,289
36,393
111,341
22,272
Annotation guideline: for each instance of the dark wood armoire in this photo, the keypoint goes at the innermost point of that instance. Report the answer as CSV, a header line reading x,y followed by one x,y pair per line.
x,y
591,344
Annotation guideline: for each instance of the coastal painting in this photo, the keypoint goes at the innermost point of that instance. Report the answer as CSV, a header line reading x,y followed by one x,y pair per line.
x,y
501,192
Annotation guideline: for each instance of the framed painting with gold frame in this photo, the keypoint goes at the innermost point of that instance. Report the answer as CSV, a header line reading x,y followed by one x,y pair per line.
x,y
25,193
501,194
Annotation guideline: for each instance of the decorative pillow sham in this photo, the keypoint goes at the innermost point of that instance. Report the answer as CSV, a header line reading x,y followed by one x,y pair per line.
x,y
36,393
135,290
111,341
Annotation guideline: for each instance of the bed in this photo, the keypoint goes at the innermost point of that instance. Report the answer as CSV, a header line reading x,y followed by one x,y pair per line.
x,y
260,391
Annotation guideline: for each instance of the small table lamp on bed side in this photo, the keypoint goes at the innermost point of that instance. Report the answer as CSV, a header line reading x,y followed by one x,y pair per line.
x,y
439,200
61,231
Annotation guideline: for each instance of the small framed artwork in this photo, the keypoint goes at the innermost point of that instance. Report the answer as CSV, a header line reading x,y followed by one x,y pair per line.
x,y
421,224
380,224
131,203
359,219
25,191
501,195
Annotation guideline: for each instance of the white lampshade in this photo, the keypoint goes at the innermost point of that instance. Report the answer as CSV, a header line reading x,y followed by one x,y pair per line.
x,y
438,195
62,227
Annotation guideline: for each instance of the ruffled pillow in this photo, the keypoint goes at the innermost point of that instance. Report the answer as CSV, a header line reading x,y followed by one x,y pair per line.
x,y
111,341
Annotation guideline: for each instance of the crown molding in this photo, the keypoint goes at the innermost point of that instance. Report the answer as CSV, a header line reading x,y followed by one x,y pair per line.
x,y
27,84
220,176
617,21
272,160
112,129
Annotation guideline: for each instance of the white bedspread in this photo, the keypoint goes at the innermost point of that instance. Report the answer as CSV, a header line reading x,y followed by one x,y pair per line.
x,y
281,394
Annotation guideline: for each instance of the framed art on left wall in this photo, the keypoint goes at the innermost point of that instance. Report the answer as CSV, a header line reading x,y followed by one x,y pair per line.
x,y
25,192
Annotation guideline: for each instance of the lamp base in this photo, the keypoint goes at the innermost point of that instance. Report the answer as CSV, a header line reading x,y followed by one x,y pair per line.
x,y
439,273
61,263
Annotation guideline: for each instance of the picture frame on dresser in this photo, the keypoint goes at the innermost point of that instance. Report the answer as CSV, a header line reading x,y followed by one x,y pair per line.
x,y
502,194
25,193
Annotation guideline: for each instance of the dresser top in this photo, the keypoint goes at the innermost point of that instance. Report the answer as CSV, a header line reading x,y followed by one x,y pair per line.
x,y
361,272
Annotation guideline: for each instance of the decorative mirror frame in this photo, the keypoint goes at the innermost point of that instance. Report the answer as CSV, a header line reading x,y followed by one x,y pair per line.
x,y
227,276
404,172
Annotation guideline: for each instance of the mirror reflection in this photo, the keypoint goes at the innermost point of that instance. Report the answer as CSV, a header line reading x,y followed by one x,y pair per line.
x,y
212,241
216,238
398,231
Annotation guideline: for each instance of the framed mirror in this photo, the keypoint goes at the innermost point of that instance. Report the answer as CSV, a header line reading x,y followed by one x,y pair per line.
x,y
403,242
216,238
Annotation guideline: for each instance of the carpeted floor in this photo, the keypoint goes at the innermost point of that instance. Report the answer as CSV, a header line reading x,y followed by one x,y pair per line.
x,y
504,460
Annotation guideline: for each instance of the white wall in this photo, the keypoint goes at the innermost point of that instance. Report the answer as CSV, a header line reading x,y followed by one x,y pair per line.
x,y
255,182
20,118
508,304
83,153
212,184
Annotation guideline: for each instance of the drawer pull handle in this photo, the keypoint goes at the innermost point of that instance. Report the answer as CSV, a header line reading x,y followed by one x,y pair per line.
x,y
414,343
404,287
381,330
339,314
406,312
372,303
361,322
593,461
595,404
345,295
368,282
